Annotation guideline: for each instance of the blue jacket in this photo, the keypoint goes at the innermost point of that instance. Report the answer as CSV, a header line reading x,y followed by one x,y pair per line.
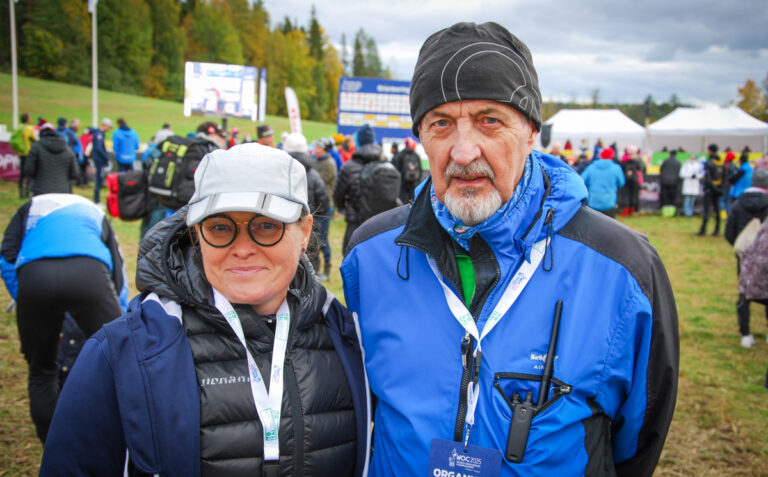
x,y
603,179
743,180
134,385
78,228
125,142
98,148
617,346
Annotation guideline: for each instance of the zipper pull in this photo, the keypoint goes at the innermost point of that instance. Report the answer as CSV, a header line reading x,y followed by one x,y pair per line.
x,y
464,350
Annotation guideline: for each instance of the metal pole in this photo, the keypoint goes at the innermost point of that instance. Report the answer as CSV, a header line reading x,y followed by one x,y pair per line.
x,y
14,69
94,69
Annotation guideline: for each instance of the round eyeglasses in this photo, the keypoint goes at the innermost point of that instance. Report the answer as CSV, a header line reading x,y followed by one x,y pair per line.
x,y
220,230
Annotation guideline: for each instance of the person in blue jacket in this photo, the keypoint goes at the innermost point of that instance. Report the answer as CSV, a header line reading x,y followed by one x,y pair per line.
x,y
59,256
99,154
233,360
125,142
488,345
603,179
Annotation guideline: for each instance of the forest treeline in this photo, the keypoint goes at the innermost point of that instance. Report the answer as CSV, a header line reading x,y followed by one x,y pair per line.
x,y
143,44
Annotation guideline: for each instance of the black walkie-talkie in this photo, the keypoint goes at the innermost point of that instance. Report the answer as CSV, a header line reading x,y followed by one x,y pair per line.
x,y
519,428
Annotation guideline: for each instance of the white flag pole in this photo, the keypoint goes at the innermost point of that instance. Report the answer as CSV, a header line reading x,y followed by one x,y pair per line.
x,y
94,65
14,69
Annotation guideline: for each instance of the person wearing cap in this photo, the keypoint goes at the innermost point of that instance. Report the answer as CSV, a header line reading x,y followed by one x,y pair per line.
x,y
346,191
99,154
59,257
265,135
497,279
51,165
603,180
233,360
751,204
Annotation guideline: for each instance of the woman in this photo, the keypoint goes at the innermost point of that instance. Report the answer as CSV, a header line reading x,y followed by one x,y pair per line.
x,y
171,382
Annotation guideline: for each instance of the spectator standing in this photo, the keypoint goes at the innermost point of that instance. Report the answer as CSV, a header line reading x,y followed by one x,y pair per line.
x,y
162,134
125,142
346,193
326,167
99,154
670,176
347,149
79,272
29,136
338,140
632,167
408,164
713,189
295,145
603,179
51,165
751,204
265,135
691,173
82,161
729,170
742,178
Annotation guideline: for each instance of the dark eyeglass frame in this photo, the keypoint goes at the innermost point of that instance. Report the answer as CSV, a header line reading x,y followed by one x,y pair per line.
x,y
237,230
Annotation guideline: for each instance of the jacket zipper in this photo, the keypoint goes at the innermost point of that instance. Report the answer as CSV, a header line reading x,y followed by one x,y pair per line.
x,y
298,417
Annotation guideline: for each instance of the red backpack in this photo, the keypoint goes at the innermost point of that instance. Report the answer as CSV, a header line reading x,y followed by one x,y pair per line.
x,y
127,195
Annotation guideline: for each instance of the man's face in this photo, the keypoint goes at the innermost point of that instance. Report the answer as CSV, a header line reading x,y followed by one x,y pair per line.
x,y
477,151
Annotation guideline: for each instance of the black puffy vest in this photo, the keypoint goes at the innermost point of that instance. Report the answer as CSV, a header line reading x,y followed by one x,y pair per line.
x,y
317,427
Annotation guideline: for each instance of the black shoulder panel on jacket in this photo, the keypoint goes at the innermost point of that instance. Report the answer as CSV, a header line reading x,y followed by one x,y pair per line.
x,y
614,240
633,251
378,224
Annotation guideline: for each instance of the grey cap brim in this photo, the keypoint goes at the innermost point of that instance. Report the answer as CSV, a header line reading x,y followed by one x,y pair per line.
x,y
268,205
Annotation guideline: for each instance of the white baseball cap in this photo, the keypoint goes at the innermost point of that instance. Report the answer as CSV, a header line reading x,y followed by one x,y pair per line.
x,y
249,178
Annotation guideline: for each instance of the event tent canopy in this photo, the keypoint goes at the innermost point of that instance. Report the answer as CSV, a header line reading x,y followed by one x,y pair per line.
x,y
694,128
590,125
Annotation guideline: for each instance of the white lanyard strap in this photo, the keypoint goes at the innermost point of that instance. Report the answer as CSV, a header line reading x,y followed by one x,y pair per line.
x,y
268,404
508,298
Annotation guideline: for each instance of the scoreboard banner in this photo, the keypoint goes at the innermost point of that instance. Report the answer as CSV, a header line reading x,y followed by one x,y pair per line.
x,y
381,103
219,90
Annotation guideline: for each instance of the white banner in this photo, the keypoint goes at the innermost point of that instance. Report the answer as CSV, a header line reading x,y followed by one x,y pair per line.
x,y
292,102
262,95
92,5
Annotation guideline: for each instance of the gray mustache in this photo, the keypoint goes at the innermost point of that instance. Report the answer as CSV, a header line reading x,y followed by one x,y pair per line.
x,y
474,168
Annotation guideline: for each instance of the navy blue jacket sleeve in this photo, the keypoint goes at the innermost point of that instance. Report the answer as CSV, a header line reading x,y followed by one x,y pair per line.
x,y
86,435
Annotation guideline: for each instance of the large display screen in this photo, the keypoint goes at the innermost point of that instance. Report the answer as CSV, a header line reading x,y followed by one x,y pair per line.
x,y
219,90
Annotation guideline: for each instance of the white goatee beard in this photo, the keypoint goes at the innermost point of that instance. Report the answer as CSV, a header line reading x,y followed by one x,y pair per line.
x,y
467,205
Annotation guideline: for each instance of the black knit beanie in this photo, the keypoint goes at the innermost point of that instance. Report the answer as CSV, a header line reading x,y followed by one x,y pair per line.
x,y
470,61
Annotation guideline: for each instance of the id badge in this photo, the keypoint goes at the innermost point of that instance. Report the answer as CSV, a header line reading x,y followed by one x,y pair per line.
x,y
449,459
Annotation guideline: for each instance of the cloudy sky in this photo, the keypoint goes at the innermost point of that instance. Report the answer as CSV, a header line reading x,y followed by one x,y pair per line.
x,y
698,49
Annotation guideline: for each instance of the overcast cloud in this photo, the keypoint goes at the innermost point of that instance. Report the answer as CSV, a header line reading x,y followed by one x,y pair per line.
x,y
700,50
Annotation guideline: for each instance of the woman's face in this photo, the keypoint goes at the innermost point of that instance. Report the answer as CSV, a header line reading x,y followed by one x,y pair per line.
x,y
248,273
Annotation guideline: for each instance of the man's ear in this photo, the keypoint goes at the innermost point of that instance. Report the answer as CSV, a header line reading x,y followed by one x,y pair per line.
x,y
532,137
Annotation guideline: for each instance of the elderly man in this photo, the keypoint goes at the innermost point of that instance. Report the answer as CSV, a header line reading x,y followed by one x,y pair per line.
x,y
508,329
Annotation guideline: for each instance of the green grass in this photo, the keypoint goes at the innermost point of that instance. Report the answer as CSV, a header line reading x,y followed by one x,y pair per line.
x,y
52,100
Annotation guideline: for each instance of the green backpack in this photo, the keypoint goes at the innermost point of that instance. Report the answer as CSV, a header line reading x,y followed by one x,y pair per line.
x,y
17,142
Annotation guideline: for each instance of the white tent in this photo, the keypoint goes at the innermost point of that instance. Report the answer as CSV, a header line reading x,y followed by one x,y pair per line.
x,y
591,125
694,128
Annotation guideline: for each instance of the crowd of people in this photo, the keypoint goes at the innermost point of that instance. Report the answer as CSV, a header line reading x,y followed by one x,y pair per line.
x,y
462,337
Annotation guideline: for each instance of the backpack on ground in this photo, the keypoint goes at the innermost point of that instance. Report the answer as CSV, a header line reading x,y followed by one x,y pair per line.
x,y
411,167
17,142
379,189
746,236
127,195
172,174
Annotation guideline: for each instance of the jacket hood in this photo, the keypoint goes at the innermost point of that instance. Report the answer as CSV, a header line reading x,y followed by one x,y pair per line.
x,y
124,127
52,141
169,264
367,153
303,158
754,201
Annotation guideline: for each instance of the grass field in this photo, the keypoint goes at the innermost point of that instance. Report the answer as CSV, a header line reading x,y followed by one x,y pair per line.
x,y
52,100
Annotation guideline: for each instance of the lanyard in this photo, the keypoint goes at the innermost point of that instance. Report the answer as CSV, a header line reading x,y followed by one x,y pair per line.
x,y
268,405
464,317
